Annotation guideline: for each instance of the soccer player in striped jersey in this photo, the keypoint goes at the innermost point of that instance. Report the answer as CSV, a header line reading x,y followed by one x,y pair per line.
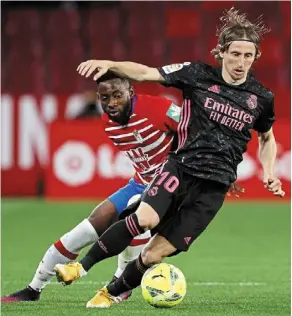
x,y
140,125
143,128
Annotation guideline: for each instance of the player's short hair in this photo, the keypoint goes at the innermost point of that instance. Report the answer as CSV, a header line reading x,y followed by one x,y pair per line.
x,y
236,27
109,75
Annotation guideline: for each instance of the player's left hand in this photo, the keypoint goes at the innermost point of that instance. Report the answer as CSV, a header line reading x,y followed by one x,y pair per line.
x,y
94,67
235,189
274,185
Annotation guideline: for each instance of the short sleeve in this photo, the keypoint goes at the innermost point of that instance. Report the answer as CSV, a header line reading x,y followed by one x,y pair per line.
x,y
267,118
166,115
161,112
180,75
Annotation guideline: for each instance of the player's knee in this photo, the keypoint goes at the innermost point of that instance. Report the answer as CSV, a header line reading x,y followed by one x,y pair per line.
x,y
150,257
102,216
146,223
147,216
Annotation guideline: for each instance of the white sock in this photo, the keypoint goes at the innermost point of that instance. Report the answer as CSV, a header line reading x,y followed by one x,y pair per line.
x,y
131,253
79,237
44,272
63,251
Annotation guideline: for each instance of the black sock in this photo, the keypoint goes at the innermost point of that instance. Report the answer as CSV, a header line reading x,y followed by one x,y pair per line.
x,y
113,241
130,278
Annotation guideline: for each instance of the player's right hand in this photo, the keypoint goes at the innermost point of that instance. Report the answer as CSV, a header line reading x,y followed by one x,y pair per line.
x,y
235,189
93,66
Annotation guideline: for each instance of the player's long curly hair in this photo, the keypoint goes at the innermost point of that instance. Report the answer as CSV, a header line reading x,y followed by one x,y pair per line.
x,y
235,26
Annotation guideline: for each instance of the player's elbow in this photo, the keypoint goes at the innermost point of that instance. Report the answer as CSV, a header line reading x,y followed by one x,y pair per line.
x,y
267,136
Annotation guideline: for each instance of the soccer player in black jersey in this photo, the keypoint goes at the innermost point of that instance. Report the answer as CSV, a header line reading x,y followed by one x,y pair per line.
x,y
221,107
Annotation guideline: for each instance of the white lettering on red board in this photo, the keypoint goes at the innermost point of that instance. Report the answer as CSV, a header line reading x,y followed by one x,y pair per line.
x,y
32,132
75,163
7,132
32,128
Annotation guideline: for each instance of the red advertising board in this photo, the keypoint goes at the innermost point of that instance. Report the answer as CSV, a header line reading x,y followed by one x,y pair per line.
x,y
26,147
25,138
85,164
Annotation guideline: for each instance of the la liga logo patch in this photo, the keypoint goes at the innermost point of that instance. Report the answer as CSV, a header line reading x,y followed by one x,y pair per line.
x,y
172,68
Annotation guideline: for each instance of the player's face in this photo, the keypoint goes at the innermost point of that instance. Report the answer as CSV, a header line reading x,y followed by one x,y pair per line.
x,y
237,60
115,97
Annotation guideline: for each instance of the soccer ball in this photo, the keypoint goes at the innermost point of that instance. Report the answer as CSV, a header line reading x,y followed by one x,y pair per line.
x,y
163,285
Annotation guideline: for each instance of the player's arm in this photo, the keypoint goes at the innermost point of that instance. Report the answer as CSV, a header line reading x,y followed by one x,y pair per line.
x,y
176,75
268,153
127,69
268,147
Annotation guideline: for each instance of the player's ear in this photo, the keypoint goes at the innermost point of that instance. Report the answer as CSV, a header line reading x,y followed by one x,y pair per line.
x,y
258,55
97,96
221,49
132,92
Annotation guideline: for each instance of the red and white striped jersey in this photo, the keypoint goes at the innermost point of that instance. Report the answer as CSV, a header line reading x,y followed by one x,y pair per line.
x,y
148,136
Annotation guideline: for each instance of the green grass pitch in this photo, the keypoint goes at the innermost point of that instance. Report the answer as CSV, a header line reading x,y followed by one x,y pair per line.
x,y
240,266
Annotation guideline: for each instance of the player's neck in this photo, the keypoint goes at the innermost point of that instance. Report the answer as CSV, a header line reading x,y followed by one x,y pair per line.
x,y
228,79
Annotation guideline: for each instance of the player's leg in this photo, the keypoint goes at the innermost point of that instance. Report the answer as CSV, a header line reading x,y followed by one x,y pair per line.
x,y
115,239
155,251
176,233
199,202
69,245
131,252
123,198
158,248
65,250
160,194
196,211
132,192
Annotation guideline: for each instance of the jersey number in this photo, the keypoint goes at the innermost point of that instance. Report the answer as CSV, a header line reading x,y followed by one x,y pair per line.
x,y
171,184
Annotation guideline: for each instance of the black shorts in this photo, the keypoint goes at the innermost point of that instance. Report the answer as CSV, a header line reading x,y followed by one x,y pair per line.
x,y
185,204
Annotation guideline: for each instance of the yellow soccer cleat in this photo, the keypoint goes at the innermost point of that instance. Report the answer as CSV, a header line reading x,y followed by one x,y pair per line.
x,y
67,273
102,299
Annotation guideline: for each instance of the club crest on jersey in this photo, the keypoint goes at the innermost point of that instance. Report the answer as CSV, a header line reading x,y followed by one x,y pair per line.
x,y
138,136
153,191
172,68
139,158
252,101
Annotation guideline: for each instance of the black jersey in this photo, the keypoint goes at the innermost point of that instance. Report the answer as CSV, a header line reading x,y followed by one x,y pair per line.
x,y
217,119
